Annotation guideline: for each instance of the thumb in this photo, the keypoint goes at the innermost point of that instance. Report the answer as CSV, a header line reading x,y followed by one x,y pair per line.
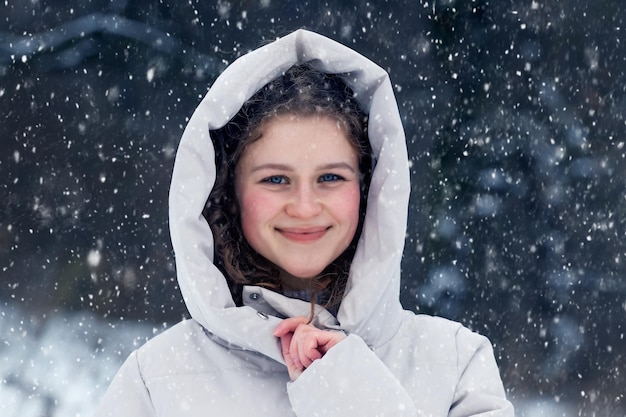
x,y
289,325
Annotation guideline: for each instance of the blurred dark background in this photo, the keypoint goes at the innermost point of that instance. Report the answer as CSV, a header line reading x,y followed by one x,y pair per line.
x,y
515,115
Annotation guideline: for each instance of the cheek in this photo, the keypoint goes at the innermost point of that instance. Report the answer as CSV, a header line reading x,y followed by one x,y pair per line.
x,y
348,207
255,210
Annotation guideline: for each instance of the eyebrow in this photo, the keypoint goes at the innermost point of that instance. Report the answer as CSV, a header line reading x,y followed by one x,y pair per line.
x,y
285,167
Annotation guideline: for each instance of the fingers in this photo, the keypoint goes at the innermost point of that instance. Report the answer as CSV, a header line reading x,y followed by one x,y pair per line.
x,y
302,344
292,350
293,369
304,348
294,373
289,325
329,339
291,353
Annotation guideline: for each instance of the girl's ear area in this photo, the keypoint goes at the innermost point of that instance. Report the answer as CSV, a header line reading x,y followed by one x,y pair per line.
x,y
233,207
229,202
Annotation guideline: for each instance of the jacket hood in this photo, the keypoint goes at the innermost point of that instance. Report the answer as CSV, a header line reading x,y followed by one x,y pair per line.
x,y
370,307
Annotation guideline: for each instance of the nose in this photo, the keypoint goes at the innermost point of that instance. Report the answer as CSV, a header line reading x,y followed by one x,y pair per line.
x,y
304,203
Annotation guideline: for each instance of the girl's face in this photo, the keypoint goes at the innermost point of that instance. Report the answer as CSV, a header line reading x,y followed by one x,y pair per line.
x,y
298,193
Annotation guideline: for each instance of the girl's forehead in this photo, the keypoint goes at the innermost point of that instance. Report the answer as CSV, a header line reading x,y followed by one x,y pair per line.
x,y
293,123
296,137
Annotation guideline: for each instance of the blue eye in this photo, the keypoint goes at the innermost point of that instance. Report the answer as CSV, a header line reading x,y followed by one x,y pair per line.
x,y
275,179
330,178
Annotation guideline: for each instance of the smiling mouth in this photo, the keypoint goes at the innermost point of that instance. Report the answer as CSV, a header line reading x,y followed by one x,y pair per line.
x,y
303,235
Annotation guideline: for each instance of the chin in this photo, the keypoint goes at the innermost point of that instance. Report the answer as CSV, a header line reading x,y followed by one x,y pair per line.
x,y
304,274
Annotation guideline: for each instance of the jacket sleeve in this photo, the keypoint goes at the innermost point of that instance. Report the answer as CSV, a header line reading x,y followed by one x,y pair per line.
x,y
350,380
127,395
479,391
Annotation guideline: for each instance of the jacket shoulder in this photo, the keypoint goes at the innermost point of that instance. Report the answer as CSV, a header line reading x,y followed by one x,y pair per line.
x,y
184,348
442,328
464,363
443,340
450,344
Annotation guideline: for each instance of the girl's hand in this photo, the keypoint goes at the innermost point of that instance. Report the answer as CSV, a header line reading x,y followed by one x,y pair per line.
x,y
303,343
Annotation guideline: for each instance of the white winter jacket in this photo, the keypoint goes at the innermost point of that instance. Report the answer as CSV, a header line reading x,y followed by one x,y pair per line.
x,y
225,360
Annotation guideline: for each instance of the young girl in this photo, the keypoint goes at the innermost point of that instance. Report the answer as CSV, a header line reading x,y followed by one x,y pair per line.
x,y
288,211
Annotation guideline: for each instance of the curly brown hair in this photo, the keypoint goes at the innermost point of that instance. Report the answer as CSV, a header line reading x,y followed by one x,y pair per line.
x,y
300,91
